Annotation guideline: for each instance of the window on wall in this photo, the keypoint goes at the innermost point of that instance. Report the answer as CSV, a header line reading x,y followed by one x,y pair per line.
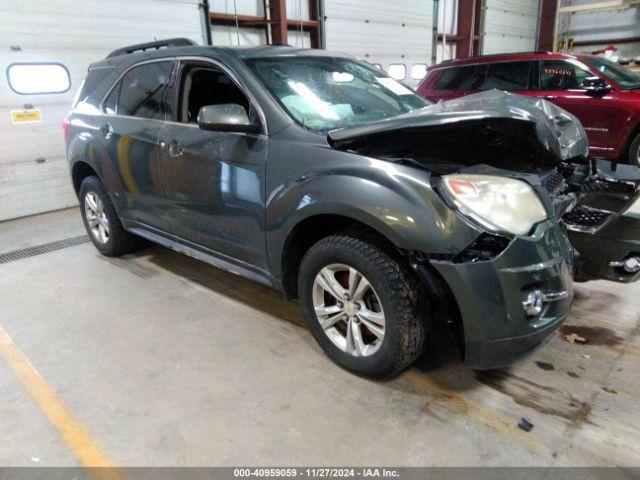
x,y
461,78
419,71
507,76
38,78
397,71
560,75
139,93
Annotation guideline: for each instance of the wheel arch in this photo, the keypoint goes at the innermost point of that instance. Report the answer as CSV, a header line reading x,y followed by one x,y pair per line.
x,y
623,156
312,229
79,171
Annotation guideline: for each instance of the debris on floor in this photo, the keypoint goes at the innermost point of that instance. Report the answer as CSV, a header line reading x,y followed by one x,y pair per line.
x,y
525,425
575,338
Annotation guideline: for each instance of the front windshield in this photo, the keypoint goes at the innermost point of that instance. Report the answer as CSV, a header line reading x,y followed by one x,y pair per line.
x,y
324,93
619,74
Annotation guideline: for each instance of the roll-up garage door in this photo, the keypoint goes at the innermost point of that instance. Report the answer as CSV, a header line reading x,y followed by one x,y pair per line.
x,y
395,35
47,39
510,26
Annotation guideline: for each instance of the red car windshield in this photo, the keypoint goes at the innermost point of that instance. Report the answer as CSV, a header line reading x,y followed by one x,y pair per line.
x,y
621,75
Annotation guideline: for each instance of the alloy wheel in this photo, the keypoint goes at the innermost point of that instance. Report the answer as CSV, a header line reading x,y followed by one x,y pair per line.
x,y
96,217
349,310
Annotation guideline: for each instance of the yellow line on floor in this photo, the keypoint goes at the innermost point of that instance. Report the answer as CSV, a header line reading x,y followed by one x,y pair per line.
x,y
72,432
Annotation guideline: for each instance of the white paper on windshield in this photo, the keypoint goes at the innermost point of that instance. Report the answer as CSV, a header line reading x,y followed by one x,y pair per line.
x,y
393,85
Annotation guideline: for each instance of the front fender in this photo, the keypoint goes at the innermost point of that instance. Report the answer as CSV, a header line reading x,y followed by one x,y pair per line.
x,y
396,200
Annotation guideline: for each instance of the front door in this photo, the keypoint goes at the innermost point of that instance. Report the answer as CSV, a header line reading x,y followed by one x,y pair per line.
x,y
560,82
213,181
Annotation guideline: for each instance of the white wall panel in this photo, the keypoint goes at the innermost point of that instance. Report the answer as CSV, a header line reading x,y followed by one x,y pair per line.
x,y
380,31
510,26
74,33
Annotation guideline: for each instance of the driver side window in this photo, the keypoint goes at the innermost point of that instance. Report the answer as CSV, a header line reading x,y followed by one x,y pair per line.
x,y
561,75
204,85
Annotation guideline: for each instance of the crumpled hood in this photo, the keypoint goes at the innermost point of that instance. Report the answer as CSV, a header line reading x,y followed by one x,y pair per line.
x,y
558,131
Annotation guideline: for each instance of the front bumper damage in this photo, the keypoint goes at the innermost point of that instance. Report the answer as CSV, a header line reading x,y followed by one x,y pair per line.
x,y
603,231
492,296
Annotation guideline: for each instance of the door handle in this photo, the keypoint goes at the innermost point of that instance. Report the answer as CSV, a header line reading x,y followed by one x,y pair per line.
x,y
106,130
173,148
549,97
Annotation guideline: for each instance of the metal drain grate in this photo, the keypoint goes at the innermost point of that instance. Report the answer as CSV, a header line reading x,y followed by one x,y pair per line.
x,y
40,249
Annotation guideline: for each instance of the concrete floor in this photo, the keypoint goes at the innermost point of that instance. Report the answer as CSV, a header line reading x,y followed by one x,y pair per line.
x,y
166,361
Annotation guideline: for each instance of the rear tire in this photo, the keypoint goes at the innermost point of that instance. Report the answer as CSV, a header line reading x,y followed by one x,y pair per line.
x,y
634,151
392,296
101,220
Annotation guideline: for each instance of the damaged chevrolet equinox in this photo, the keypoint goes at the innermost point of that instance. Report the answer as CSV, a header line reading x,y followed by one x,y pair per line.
x,y
319,175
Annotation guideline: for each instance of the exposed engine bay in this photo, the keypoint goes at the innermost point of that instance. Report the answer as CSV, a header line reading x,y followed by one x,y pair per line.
x,y
498,133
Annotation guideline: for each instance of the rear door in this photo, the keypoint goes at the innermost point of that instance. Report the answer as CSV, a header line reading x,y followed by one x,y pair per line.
x,y
133,117
510,76
452,82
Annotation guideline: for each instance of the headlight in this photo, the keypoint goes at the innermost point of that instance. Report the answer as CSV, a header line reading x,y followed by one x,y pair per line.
x,y
498,203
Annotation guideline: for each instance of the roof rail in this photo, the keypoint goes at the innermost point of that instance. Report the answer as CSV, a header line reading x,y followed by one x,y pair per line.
x,y
141,47
506,54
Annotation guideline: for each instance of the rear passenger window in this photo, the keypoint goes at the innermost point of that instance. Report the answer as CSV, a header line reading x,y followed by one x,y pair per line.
x,y
139,93
461,78
507,76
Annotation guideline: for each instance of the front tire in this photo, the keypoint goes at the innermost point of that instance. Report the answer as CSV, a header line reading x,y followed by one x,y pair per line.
x,y
364,307
101,220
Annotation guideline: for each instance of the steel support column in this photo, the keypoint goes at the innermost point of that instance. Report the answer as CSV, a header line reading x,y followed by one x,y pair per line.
x,y
279,31
547,24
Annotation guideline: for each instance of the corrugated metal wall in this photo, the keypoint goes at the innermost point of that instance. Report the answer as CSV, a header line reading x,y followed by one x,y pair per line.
x,y
510,26
74,33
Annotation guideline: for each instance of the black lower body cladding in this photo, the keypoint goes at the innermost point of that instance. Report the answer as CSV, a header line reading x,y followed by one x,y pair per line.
x,y
604,258
491,295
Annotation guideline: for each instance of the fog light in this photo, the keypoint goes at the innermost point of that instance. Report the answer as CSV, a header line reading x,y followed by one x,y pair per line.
x,y
630,265
533,304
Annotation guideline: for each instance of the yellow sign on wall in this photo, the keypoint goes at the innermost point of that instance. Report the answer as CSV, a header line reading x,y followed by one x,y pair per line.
x,y
26,116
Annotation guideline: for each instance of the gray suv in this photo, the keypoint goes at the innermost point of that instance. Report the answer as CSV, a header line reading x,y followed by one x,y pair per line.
x,y
318,175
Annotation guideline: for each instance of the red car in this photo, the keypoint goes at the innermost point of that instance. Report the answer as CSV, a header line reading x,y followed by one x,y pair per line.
x,y
602,94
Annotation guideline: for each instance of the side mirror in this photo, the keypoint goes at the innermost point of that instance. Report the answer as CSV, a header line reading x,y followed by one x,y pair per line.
x,y
228,117
595,85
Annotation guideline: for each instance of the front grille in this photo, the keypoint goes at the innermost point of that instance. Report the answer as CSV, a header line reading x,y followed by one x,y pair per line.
x,y
554,183
585,218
